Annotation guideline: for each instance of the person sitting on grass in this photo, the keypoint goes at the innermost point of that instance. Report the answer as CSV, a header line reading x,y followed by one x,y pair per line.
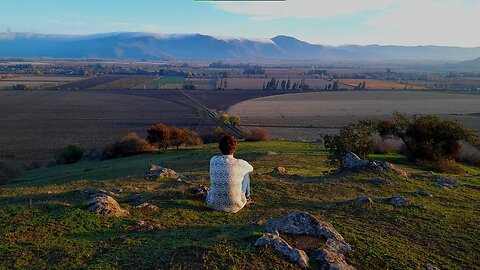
x,y
230,179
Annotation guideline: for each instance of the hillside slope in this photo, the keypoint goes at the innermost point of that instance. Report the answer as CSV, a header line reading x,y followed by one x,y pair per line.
x,y
44,221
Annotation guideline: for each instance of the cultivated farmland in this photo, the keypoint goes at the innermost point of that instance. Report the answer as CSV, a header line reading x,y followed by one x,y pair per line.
x,y
303,116
380,85
37,82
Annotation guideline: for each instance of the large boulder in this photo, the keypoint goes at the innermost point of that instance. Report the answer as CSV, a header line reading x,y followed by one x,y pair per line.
x,y
106,206
304,224
155,172
351,162
399,201
275,241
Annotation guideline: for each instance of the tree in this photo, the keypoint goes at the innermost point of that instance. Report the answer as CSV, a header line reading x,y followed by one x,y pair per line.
x,y
181,136
225,84
356,138
427,137
223,118
159,135
288,84
129,145
234,120
70,154
335,86
283,85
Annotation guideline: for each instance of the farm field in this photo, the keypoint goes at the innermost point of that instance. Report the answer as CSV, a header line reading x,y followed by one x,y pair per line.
x,y
91,82
257,83
34,124
380,85
37,82
164,82
303,116
125,83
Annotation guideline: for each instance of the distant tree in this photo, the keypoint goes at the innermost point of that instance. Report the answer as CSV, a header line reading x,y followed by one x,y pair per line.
x,y
20,87
276,85
70,154
329,86
364,85
288,84
223,118
225,84
295,86
283,85
335,85
263,86
159,135
234,120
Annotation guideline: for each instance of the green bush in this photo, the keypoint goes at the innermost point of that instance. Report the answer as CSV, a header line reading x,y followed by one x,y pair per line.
x,y
70,154
356,138
7,172
427,137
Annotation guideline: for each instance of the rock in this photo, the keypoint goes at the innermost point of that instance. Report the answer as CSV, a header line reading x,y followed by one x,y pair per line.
x,y
280,170
106,206
147,206
364,199
305,224
392,168
331,260
275,241
446,183
352,162
399,201
380,181
270,153
424,193
423,207
155,172
116,190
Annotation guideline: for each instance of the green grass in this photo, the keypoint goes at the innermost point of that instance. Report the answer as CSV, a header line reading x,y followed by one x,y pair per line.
x,y
168,80
44,222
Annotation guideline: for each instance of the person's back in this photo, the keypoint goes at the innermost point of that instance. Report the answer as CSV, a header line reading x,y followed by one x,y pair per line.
x,y
229,177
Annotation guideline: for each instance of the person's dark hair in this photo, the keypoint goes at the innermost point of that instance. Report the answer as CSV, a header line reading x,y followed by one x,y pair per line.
x,y
228,144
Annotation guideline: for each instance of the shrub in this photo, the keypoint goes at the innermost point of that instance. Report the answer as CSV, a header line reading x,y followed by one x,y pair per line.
x,y
130,144
356,138
70,154
214,136
159,135
441,166
387,146
257,135
427,137
7,172
182,137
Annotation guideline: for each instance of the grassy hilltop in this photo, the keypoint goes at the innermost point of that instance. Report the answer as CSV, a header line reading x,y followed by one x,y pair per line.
x,y
44,222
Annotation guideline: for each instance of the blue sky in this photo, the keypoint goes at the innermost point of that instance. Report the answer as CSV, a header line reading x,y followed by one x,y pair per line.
x,y
402,22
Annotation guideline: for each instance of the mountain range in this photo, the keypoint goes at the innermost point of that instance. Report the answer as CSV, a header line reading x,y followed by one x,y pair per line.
x,y
150,46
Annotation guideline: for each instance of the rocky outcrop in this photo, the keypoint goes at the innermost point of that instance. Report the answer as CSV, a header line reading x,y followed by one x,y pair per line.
x,y
446,183
200,190
275,241
380,181
399,201
147,206
351,162
156,172
106,206
331,254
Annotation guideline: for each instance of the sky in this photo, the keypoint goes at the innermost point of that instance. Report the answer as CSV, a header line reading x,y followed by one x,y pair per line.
x,y
332,22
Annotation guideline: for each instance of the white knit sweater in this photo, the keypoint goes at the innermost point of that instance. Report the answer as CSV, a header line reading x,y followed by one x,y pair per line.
x,y
226,176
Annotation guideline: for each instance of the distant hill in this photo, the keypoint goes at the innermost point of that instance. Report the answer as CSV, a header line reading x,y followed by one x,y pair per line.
x,y
469,64
149,46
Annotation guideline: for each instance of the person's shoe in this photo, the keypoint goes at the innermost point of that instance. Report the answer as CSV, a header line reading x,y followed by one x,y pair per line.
x,y
250,200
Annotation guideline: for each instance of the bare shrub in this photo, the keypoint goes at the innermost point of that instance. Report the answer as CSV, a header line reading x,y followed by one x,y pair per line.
x,y
257,135
131,144
8,172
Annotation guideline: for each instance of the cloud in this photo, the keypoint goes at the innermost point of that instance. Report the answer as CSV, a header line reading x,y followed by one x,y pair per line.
x,y
430,22
302,8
